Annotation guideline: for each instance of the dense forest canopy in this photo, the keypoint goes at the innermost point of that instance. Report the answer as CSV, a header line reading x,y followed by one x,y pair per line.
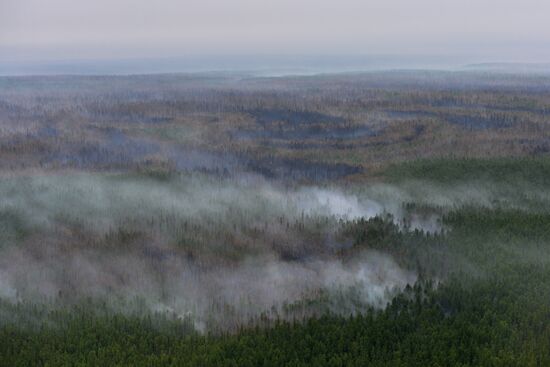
x,y
385,218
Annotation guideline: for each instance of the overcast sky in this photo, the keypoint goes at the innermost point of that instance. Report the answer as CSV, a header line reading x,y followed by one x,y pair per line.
x,y
506,30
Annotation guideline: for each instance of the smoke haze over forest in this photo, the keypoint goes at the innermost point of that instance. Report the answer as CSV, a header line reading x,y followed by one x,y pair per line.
x,y
274,183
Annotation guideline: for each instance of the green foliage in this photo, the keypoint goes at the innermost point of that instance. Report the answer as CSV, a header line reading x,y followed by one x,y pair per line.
x,y
176,143
13,226
496,316
535,171
500,321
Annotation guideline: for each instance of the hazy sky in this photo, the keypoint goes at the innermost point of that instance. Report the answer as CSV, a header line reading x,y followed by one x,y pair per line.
x,y
511,30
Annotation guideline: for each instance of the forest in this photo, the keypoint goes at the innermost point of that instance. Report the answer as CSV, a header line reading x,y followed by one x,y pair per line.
x,y
223,219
